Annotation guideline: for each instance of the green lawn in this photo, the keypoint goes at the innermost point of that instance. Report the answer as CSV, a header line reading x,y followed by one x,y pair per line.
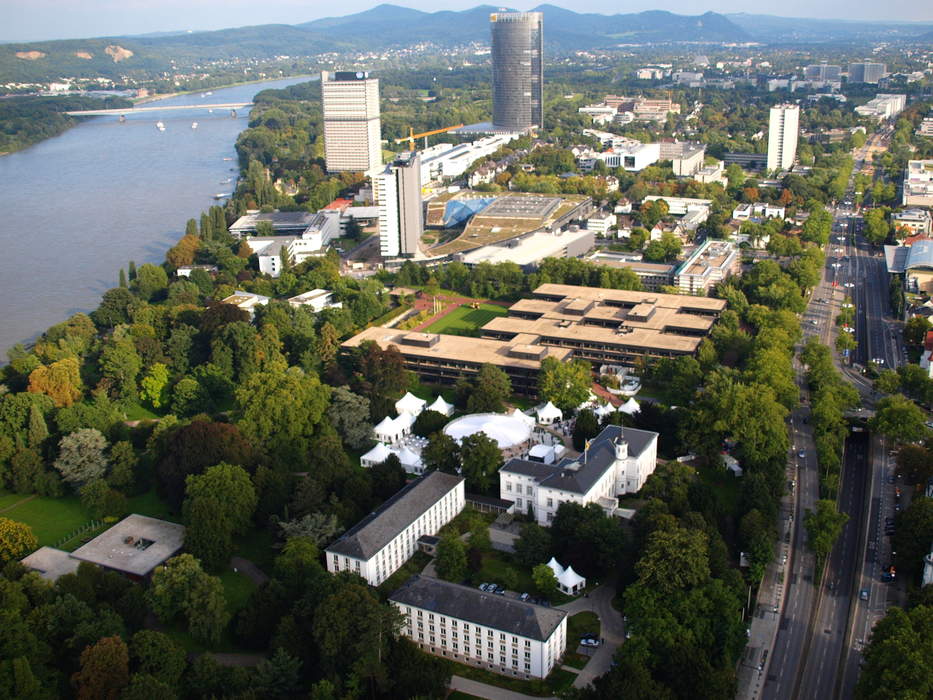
x,y
582,623
150,504
257,547
558,680
724,485
466,321
7,499
575,660
496,568
413,566
237,589
51,519
136,412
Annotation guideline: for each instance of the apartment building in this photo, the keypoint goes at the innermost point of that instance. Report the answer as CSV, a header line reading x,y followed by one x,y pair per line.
x,y
883,107
708,265
497,633
617,461
401,210
867,72
653,276
917,188
379,544
783,129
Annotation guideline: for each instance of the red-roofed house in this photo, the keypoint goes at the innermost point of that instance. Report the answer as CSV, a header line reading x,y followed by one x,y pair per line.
x,y
340,204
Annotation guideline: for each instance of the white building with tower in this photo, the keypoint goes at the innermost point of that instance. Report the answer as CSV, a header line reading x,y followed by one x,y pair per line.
x,y
617,461
401,215
352,128
783,128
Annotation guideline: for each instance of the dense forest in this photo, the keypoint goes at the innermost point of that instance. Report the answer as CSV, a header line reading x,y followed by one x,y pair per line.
x,y
28,120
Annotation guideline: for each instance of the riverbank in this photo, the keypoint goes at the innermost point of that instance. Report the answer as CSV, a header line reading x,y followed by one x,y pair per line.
x,y
182,93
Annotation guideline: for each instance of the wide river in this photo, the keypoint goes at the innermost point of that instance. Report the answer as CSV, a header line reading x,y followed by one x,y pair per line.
x,y
76,208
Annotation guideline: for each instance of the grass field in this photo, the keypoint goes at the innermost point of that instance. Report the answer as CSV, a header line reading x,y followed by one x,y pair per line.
x,y
51,519
465,320
582,623
237,589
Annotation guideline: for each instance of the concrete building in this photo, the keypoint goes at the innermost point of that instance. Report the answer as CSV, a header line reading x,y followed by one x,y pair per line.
x,y
528,252
316,300
917,188
381,542
352,129
282,223
883,107
401,210
747,161
517,70
246,301
708,265
628,154
497,633
712,173
617,462
783,127
758,210
866,72
914,221
686,158
134,546
653,276
823,72
926,127
679,206
446,160
601,223
915,262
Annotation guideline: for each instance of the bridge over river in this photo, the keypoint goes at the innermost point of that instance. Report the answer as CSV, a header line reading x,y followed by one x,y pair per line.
x,y
136,110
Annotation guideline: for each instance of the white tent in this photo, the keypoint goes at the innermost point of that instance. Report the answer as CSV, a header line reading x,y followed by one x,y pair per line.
x,y
388,431
441,406
410,403
630,407
379,454
604,410
570,582
522,416
404,422
548,413
411,461
555,567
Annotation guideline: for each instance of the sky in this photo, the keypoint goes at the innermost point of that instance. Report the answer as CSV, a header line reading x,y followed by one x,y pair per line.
x,y
34,20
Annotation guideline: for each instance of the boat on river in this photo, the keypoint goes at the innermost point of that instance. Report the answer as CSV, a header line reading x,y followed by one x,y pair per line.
x,y
194,125
160,126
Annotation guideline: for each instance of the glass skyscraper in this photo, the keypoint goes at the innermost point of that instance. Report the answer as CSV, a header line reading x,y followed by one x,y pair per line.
x,y
517,69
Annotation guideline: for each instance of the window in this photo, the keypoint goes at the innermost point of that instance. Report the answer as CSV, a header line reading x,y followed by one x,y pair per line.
x,y
527,654
528,490
518,502
501,635
527,643
421,635
508,485
550,503
527,667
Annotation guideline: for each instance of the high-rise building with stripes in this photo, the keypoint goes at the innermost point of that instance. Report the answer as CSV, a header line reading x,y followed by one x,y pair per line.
x,y
352,138
783,128
517,69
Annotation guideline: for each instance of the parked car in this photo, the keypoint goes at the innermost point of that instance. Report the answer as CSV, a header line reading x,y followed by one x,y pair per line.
x,y
801,454
484,586
863,594
524,597
887,577
589,642
498,590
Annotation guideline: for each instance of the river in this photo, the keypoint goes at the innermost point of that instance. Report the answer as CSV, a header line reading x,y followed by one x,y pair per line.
x,y
76,208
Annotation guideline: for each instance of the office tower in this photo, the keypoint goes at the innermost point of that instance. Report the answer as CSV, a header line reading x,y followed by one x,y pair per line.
x,y
866,72
822,72
351,122
517,69
782,136
401,219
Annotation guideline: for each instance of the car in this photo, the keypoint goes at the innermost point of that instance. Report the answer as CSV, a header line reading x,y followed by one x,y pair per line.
x,y
589,642
524,597
887,577
498,590
801,454
863,594
484,586
891,478
589,635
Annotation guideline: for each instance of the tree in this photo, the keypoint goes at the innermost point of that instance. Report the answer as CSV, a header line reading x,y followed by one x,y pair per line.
x,y
150,281
566,384
156,654
16,540
491,388
206,609
876,226
120,365
544,579
674,559
533,546
896,662
888,381
818,226
441,453
181,587
824,525
114,306
155,385
218,504
81,456
898,418
279,676
38,431
319,528
349,414
415,674
104,670
101,500
913,535
585,427
915,463
429,422
60,380
451,562
480,458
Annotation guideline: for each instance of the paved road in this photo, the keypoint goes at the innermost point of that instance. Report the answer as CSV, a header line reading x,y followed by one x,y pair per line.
x,y
612,630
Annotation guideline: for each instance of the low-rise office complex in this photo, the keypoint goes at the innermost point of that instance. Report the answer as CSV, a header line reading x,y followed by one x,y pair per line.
x,y
381,542
917,188
883,107
617,461
498,633
708,265
604,326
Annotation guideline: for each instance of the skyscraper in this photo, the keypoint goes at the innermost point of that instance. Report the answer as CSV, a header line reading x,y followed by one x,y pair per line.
x,y
517,69
866,72
782,136
401,219
351,122
822,71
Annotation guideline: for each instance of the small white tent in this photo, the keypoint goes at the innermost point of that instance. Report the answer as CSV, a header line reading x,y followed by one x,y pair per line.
x,y
570,582
410,403
410,460
388,431
604,410
522,416
379,454
441,406
630,407
404,422
548,414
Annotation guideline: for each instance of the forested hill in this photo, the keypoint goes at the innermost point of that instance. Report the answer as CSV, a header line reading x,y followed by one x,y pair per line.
x,y
384,26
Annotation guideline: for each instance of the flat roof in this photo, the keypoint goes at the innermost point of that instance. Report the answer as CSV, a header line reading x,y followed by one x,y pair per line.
x,y
502,613
631,297
51,563
135,545
455,348
365,539
525,251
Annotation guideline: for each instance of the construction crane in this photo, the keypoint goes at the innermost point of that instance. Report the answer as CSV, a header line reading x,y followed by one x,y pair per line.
x,y
412,135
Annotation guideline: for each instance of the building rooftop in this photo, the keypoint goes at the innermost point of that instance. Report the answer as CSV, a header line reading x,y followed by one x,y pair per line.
x,y
576,475
627,297
505,614
280,220
528,250
135,545
365,539
51,563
